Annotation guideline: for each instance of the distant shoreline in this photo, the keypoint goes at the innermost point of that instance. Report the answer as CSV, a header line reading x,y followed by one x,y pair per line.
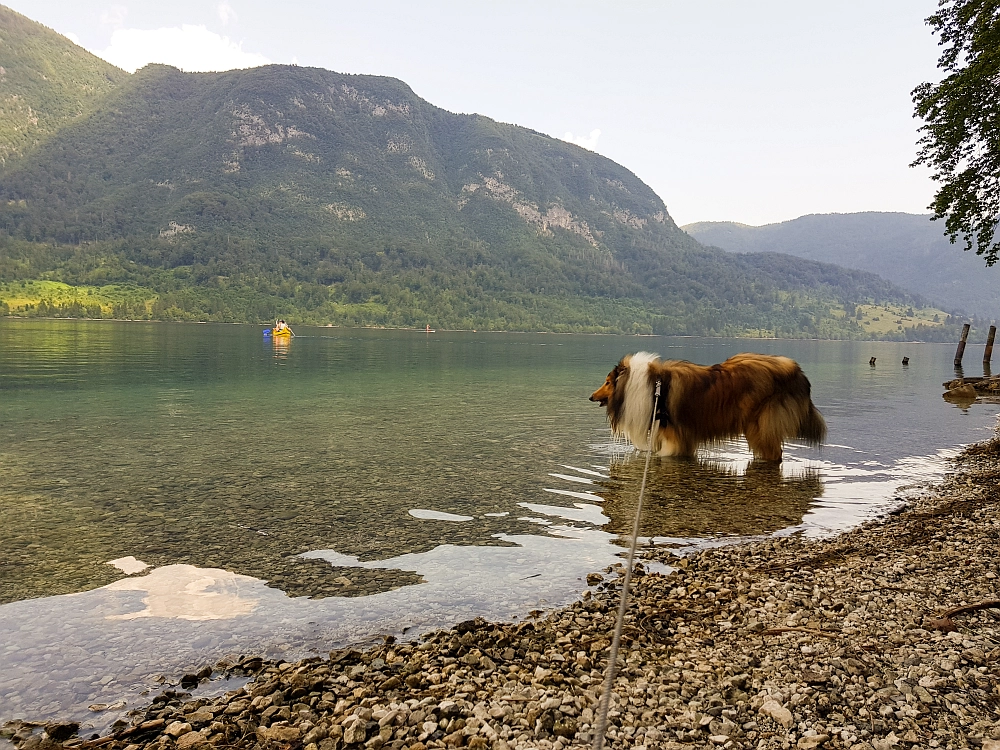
x,y
972,339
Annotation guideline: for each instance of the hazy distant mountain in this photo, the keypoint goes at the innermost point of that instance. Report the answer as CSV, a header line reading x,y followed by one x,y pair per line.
x,y
907,249
348,199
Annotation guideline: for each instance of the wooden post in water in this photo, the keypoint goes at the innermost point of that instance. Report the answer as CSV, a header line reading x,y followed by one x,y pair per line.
x,y
988,354
960,352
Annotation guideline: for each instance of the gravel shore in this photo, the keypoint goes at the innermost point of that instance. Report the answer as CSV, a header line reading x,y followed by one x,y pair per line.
x,y
885,636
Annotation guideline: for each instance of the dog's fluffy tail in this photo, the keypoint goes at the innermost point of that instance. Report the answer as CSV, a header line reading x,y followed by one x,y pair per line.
x,y
812,429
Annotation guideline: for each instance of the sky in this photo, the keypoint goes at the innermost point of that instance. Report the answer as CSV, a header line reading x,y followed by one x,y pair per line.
x,y
755,112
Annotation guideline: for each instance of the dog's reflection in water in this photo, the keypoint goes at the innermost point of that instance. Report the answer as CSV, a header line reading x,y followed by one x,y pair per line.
x,y
705,498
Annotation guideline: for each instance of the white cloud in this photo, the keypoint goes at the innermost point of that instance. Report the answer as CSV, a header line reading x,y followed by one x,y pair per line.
x,y
226,12
114,16
72,37
190,48
587,141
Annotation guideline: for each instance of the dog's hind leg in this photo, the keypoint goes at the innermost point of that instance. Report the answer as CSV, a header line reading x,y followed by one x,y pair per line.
x,y
764,439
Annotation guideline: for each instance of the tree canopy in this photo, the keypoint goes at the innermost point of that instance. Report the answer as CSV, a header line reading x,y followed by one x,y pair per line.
x,y
960,137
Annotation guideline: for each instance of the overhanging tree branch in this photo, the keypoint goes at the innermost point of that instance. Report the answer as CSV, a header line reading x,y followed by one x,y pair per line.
x,y
960,137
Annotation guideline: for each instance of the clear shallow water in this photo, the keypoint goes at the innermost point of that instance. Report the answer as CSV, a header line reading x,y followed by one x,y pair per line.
x,y
358,483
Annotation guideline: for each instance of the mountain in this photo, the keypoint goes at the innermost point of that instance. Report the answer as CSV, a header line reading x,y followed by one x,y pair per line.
x,y
45,82
350,200
907,249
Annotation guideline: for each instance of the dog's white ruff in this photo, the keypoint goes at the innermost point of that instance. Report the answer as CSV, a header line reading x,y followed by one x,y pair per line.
x,y
638,406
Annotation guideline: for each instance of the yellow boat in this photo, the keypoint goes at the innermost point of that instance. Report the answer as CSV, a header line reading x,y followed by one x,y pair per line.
x,y
286,333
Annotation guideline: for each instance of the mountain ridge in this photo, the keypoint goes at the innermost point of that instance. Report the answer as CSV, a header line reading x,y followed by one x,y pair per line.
x,y
907,249
349,199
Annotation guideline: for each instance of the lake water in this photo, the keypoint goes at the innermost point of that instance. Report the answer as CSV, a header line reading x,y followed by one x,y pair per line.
x,y
357,483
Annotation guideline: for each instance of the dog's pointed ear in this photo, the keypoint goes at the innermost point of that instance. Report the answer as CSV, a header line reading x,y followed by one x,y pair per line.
x,y
616,403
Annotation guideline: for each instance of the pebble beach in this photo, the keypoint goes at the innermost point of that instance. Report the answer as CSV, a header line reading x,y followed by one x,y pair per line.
x,y
886,636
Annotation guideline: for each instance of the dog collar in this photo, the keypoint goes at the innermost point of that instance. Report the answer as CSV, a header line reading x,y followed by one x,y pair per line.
x,y
661,404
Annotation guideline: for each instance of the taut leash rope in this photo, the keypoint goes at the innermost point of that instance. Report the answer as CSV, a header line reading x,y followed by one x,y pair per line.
x,y
609,678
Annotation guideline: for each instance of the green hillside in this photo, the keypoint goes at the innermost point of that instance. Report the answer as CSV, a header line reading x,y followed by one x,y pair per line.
x,y
45,82
347,199
907,249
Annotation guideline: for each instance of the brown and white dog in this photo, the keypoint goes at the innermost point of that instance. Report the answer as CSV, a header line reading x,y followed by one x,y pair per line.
x,y
763,397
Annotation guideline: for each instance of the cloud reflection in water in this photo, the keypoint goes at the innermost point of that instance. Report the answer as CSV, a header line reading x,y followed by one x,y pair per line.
x,y
186,592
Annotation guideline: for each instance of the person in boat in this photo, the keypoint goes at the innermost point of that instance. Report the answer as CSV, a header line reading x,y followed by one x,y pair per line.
x,y
281,327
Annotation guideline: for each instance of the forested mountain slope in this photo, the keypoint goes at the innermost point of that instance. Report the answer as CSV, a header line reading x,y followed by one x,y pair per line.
x,y
348,199
45,82
907,249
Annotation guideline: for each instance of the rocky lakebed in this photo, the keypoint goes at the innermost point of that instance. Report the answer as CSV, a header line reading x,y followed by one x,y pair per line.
x,y
886,636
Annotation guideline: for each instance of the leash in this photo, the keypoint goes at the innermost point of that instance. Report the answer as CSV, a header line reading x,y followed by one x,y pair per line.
x,y
609,678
